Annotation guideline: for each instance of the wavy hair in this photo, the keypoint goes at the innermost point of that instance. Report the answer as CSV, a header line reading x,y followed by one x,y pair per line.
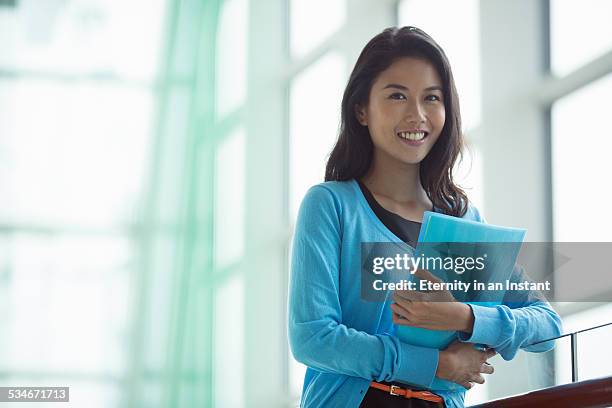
x,y
351,157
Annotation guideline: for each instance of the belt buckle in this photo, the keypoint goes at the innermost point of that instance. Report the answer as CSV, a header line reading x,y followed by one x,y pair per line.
x,y
392,390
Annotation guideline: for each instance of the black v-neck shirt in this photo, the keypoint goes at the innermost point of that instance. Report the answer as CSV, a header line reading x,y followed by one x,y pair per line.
x,y
406,230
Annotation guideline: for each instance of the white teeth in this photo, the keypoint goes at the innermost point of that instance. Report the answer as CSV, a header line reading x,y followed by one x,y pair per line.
x,y
412,135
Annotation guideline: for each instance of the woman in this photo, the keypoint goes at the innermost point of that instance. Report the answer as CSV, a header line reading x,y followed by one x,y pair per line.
x,y
400,137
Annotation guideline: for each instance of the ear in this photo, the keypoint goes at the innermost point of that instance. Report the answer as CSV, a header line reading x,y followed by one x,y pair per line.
x,y
361,115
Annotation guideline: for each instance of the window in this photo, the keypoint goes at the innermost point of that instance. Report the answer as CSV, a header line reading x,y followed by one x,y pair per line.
x,y
231,70
579,33
230,200
77,102
316,95
229,207
83,37
312,22
592,363
580,147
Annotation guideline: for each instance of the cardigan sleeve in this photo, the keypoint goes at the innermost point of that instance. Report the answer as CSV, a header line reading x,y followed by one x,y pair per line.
x,y
517,324
317,335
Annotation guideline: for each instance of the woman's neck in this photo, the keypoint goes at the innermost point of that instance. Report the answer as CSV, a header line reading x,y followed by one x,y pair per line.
x,y
399,182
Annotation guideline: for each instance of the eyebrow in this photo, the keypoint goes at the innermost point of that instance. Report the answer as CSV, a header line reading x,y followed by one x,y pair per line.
x,y
403,88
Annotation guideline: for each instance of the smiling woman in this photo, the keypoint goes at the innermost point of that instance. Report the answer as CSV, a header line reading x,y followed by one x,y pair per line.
x,y
400,136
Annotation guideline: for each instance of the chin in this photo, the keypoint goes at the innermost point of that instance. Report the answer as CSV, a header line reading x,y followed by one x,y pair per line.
x,y
410,161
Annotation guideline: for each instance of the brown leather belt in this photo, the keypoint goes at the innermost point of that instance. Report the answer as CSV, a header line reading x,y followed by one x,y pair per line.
x,y
406,393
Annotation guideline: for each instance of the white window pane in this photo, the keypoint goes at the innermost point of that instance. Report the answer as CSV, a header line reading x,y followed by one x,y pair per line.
x,y
313,21
229,196
6,261
592,363
581,146
92,394
228,355
316,96
579,31
456,30
588,318
72,154
73,292
563,360
231,62
120,38
468,174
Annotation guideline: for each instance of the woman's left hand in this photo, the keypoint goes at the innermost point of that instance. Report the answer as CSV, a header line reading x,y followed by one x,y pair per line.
x,y
435,310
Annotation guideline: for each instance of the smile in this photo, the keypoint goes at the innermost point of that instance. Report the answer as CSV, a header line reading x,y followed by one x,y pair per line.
x,y
412,137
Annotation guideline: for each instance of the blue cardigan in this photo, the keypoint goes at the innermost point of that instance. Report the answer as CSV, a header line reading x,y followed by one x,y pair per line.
x,y
347,342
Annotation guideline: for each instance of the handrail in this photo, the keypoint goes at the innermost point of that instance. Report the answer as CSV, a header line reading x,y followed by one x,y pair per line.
x,y
573,346
595,393
571,334
586,394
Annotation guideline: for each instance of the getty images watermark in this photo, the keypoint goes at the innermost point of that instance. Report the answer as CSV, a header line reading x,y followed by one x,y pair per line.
x,y
489,272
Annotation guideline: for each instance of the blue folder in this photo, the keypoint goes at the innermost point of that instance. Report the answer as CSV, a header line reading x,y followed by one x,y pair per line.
x,y
446,230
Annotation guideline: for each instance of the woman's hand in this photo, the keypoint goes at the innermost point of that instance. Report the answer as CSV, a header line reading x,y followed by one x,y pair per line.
x,y
435,310
463,364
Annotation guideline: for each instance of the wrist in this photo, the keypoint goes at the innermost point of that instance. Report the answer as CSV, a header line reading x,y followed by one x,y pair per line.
x,y
442,363
466,318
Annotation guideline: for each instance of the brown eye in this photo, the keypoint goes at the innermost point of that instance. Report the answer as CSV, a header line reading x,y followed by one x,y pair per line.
x,y
432,98
397,96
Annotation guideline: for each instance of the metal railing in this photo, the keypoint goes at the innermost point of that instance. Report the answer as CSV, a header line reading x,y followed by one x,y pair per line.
x,y
574,346
590,393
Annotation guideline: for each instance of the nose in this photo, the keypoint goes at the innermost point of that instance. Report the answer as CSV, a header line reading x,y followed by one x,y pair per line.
x,y
414,112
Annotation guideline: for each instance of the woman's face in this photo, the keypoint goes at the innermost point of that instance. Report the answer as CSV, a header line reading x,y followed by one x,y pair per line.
x,y
405,112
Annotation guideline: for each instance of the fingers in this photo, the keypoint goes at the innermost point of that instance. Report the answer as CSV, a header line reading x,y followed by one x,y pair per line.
x,y
403,300
487,368
476,378
408,295
399,309
426,275
399,315
479,379
489,353
396,318
467,385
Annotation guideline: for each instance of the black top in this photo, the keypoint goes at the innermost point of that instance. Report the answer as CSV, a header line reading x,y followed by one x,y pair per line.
x,y
406,230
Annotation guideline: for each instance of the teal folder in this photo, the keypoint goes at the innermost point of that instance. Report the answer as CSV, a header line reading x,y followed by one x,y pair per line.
x,y
501,245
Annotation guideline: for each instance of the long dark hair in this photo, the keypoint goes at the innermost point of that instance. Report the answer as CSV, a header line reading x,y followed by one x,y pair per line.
x,y
352,154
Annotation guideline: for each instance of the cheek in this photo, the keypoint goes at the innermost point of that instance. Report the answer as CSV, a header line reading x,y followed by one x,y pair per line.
x,y
379,122
378,115
439,117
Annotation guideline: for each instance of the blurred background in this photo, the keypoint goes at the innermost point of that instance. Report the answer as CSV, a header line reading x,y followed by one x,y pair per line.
x,y
153,155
